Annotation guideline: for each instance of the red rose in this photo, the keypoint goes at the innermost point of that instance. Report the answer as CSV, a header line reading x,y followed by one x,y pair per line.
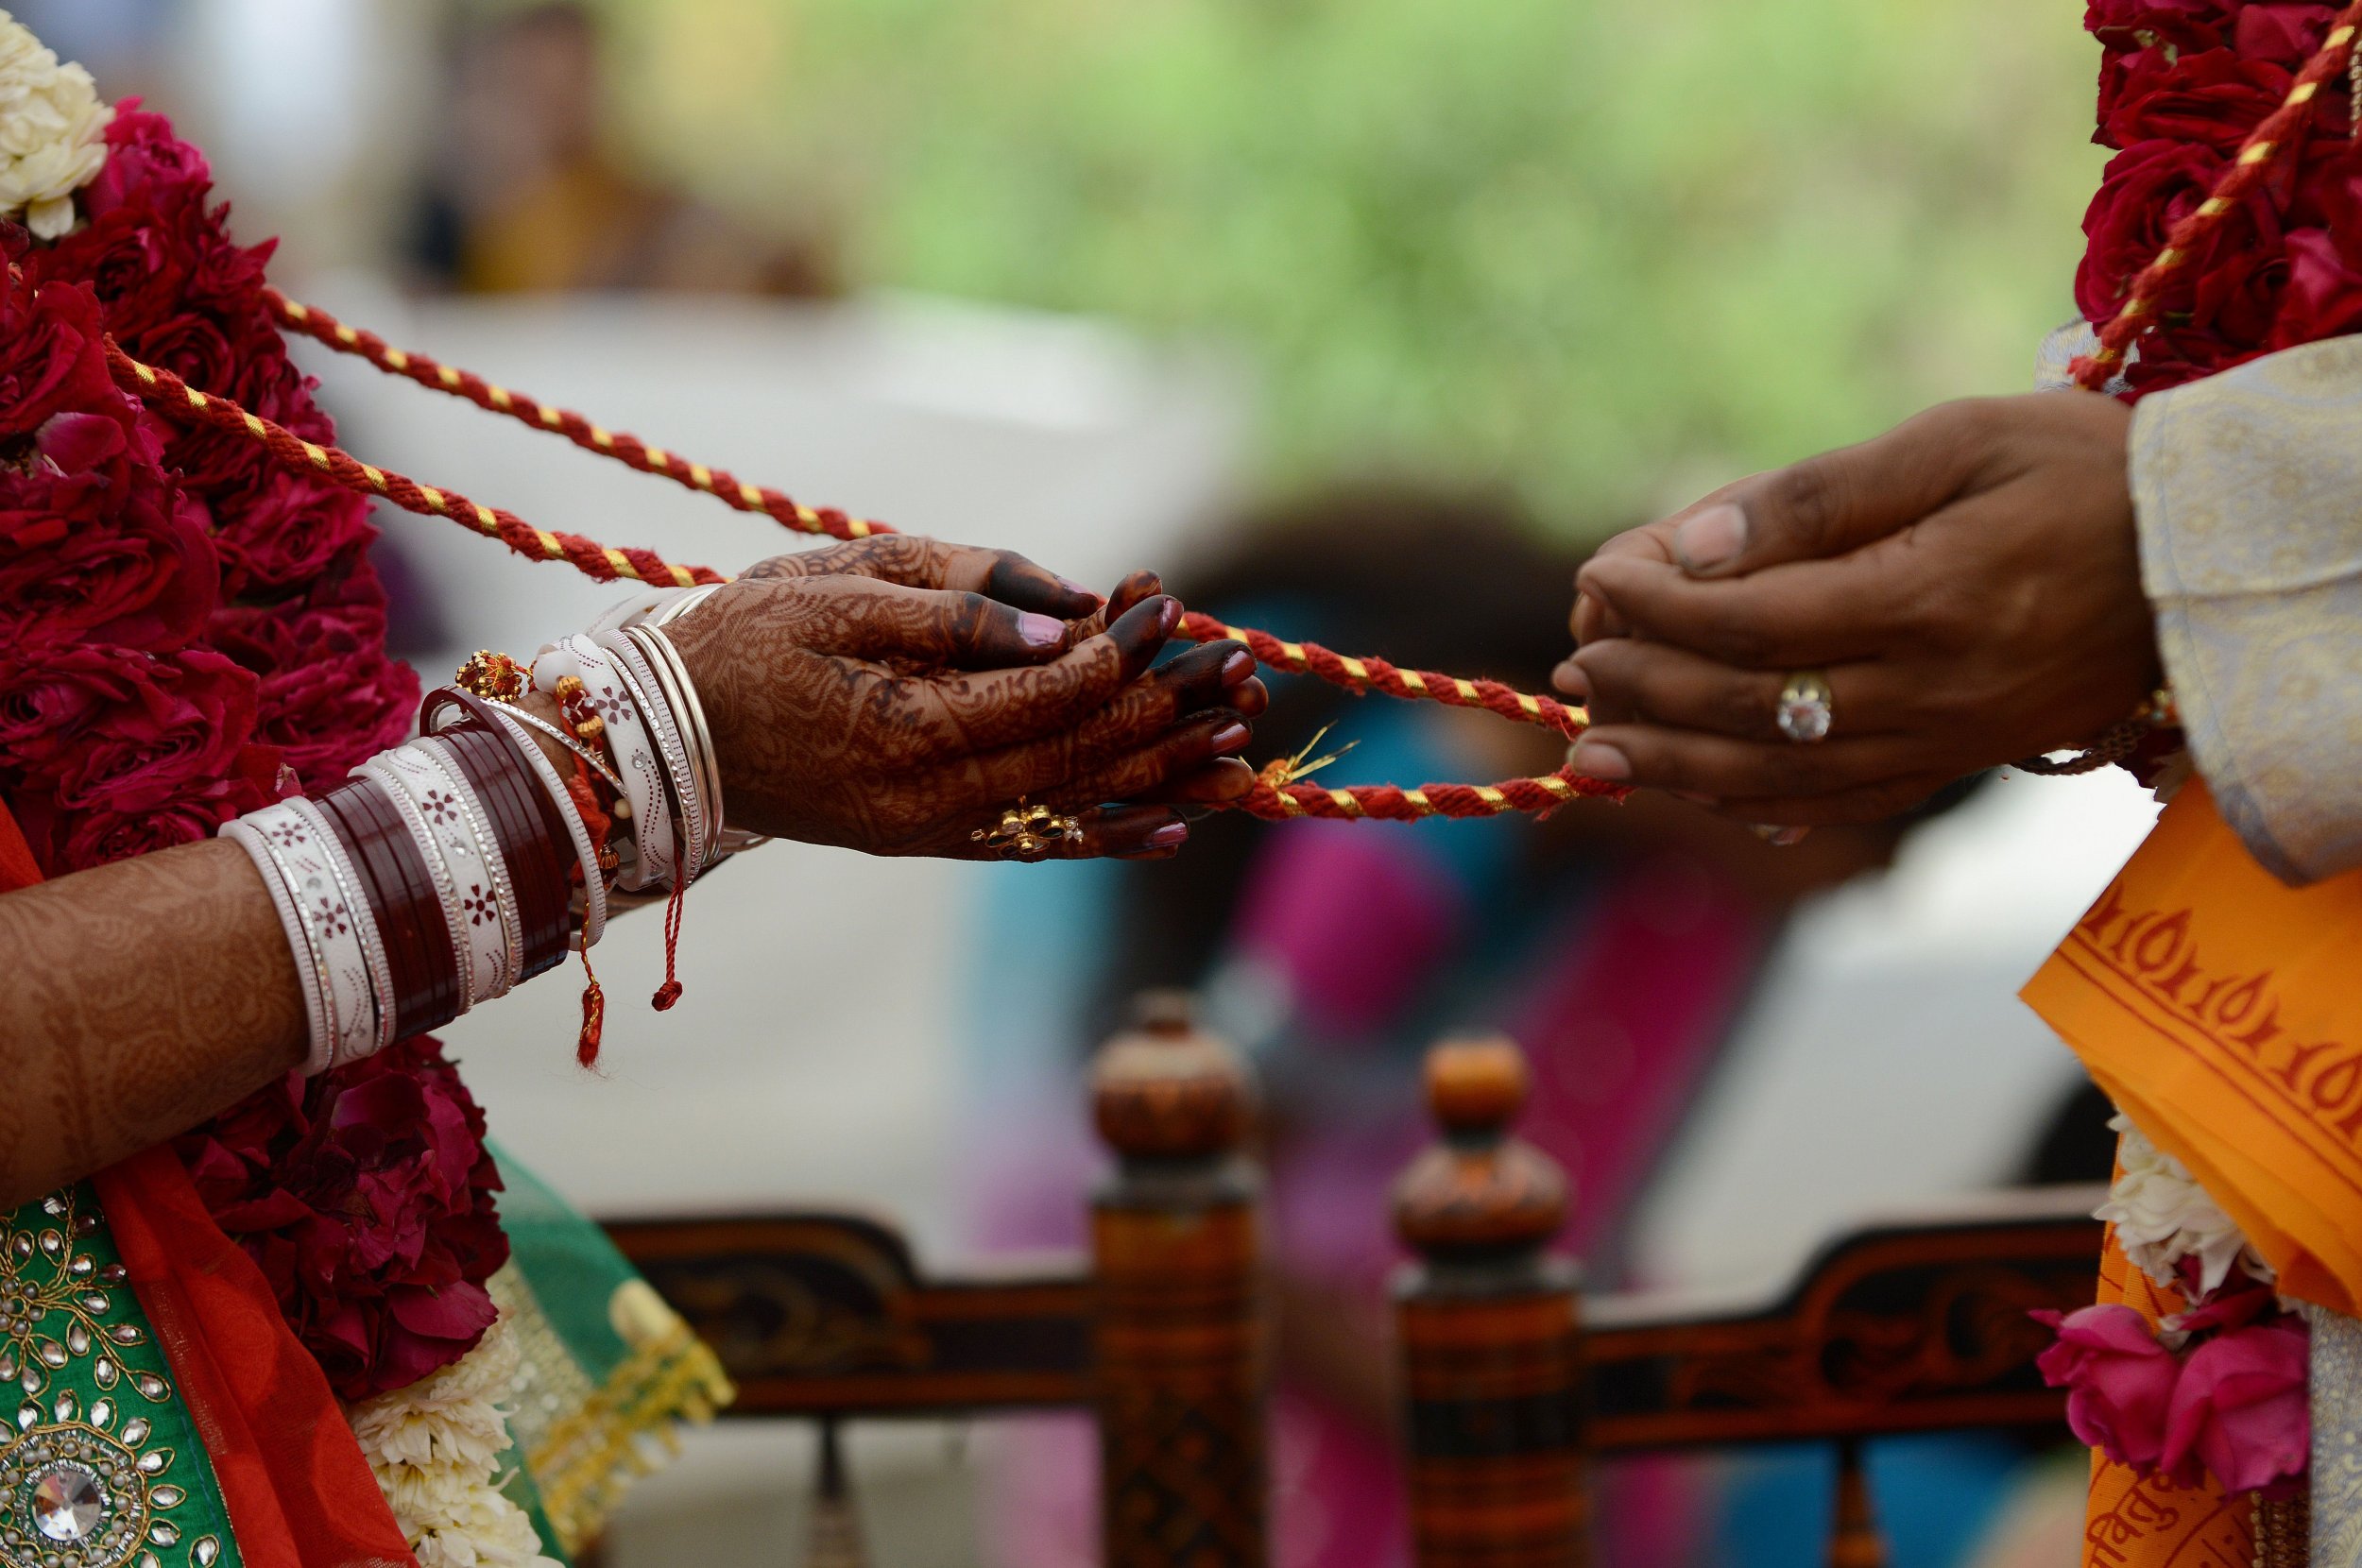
x,y
223,467
146,165
51,355
101,837
2239,1409
286,531
2147,187
159,725
94,542
2181,25
189,346
140,272
2325,293
365,1195
2213,99
330,697
2284,34
2120,1380
45,705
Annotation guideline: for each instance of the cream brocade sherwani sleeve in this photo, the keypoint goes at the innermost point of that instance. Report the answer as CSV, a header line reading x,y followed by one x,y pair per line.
x,y
2248,489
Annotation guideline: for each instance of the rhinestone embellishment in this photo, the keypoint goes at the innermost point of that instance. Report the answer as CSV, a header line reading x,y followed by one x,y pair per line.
x,y
68,1503
80,1484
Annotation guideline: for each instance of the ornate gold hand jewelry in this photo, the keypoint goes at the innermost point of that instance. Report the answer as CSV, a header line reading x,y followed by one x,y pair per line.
x,y
1027,832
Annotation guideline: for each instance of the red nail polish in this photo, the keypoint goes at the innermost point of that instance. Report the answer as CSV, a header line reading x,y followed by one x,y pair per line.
x,y
1230,737
1237,667
1172,835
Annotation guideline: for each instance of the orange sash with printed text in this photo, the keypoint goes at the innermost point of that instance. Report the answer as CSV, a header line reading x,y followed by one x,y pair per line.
x,y
2221,1010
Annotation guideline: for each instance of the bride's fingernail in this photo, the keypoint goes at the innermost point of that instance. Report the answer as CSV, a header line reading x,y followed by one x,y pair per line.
x,y
1072,586
1711,539
1230,737
1237,667
1169,835
1040,631
1168,616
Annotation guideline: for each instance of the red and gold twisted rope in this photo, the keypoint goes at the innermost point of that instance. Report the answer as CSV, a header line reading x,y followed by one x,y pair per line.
x,y
622,446
1275,795
2248,170
292,452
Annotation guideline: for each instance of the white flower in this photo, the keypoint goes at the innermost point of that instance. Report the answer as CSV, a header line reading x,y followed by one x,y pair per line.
x,y
487,1531
52,128
2163,1215
434,1447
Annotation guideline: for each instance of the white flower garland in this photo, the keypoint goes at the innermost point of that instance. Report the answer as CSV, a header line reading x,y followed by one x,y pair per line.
x,y
2163,1215
436,1449
52,133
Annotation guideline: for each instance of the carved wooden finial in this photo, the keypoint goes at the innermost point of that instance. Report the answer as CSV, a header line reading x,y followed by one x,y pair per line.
x,y
1476,1084
1165,1089
1480,1192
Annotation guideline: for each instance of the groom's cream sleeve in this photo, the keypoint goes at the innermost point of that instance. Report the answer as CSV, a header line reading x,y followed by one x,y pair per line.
x,y
2248,489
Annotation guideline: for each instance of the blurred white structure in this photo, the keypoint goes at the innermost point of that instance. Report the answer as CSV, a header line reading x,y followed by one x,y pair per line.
x,y
1887,1059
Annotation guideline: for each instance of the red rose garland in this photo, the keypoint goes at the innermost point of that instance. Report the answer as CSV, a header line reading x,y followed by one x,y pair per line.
x,y
184,629
2182,83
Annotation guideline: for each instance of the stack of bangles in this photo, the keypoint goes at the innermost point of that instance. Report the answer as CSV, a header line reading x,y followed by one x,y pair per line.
x,y
455,868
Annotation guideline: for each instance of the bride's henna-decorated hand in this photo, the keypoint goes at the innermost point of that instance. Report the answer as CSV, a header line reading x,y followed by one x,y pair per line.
x,y
914,561
853,710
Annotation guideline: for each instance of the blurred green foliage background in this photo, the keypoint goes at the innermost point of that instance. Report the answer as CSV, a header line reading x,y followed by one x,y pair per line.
x,y
1608,254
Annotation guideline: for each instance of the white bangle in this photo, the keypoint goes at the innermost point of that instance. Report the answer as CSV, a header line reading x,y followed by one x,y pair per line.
x,y
490,913
257,835
590,759
657,711
634,749
474,913
593,885
681,691
367,1026
675,608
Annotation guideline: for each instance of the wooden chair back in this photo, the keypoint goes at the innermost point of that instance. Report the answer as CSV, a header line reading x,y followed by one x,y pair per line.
x,y
1512,1381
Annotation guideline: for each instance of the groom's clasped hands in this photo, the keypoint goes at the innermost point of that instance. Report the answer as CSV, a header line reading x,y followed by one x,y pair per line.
x,y
896,694
1960,593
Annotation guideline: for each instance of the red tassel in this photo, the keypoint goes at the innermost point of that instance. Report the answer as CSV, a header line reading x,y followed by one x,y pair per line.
x,y
593,1016
669,992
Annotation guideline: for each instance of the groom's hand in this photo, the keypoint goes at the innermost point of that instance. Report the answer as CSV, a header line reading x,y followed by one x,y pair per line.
x,y
1969,582
894,696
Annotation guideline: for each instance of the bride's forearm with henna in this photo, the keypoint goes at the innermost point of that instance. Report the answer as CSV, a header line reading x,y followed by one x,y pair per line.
x,y
141,998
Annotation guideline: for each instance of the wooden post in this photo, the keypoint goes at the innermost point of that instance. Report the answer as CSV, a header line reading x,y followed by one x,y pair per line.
x,y
1180,1339
1854,1538
1488,1325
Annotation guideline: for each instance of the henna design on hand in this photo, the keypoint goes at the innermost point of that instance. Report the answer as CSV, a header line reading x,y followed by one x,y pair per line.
x,y
892,694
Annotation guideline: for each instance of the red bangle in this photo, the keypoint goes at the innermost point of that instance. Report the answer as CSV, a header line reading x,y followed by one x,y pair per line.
x,y
408,910
553,812
534,842
506,788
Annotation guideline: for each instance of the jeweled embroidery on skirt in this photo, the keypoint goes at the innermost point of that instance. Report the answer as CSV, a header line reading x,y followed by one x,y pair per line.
x,y
99,1464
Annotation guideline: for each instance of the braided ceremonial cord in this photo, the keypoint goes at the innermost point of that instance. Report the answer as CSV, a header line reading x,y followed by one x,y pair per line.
x,y
292,453
622,446
1275,796
2189,236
